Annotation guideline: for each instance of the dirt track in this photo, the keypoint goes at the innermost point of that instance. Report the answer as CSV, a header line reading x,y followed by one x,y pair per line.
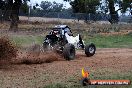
x,y
104,62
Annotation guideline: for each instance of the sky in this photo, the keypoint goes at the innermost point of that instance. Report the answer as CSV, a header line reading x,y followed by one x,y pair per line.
x,y
66,4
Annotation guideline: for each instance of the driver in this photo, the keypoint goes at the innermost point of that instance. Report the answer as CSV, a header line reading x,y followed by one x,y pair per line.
x,y
68,31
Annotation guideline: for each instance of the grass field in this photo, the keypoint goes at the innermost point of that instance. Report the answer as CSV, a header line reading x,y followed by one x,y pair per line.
x,y
112,41
101,41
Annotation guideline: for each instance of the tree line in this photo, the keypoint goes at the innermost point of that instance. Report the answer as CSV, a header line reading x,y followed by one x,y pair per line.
x,y
11,9
48,9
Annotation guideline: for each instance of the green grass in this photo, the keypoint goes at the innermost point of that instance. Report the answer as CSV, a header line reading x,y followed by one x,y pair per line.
x,y
115,41
26,40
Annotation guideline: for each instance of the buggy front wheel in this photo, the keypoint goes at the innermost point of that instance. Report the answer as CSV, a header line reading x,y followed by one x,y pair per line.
x,y
90,50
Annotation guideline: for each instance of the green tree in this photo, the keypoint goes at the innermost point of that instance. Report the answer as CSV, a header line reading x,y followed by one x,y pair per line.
x,y
24,8
46,6
90,6
11,12
51,7
125,4
57,7
113,14
84,6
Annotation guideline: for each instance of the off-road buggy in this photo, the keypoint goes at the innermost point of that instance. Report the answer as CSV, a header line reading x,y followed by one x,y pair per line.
x,y
62,41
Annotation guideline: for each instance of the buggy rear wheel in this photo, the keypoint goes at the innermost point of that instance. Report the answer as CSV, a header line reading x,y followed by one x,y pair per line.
x,y
69,51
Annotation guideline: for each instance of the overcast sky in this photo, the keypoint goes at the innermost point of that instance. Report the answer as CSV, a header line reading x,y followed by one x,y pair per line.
x,y
66,4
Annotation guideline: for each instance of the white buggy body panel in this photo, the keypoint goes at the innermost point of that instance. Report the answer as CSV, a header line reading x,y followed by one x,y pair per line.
x,y
73,40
